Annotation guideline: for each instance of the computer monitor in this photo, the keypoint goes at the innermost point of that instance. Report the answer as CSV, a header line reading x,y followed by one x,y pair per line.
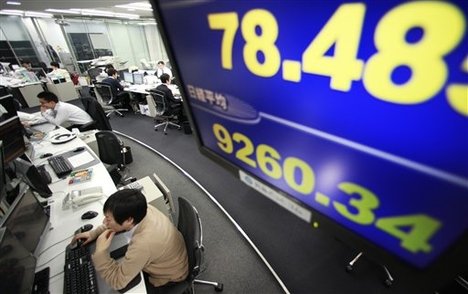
x,y
29,173
26,219
138,78
17,265
333,124
11,129
128,77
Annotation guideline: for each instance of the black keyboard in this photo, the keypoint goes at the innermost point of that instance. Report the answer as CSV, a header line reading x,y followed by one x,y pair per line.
x,y
80,276
41,282
60,165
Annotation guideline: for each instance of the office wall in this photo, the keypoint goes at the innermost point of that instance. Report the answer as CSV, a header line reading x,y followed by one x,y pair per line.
x,y
155,43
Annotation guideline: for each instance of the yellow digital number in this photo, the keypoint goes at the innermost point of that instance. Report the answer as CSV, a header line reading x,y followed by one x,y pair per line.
x,y
265,42
267,158
457,94
244,152
307,182
414,231
363,206
343,30
443,25
229,23
223,137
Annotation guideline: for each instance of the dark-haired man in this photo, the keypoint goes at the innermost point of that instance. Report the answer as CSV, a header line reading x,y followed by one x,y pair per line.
x,y
60,72
61,113
156,247
173,102
117,89
163,69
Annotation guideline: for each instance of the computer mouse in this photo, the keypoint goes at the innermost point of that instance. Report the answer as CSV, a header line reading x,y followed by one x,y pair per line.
x,y
86,228
89,215
78,149
45,155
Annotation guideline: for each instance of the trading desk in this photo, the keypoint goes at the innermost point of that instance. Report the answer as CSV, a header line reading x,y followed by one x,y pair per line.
x,y
51,250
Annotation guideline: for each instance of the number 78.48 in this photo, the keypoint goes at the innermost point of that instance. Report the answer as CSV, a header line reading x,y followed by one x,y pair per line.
x,y
443,26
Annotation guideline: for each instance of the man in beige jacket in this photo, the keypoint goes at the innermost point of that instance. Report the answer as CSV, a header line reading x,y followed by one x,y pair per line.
x,y
156,248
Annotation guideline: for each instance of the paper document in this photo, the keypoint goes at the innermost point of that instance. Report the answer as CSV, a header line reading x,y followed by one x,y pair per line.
x,y
80,159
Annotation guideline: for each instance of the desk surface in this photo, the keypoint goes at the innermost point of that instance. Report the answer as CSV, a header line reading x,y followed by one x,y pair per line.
x,y
65,222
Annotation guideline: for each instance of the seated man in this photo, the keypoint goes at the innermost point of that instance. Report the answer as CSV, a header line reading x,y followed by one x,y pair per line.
x,y
156,248
60,72
173,102
61,113
121,97
163,69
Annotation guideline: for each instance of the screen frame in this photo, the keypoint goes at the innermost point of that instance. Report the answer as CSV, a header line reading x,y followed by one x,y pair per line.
x,y
25,191
448,265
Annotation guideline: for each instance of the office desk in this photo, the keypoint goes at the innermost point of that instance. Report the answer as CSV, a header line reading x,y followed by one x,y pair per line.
x,y
65,222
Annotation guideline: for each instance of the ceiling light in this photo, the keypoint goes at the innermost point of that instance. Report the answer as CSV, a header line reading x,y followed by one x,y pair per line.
x,y
38,14
66,11
136,7
146,23
13,3
11,12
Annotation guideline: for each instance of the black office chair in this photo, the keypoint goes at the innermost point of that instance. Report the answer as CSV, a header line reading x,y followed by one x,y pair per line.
x,y
93,73
107,99
95,110
115,155
164,110
191,228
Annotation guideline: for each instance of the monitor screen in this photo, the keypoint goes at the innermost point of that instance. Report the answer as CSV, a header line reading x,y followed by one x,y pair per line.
x,y
26,219
17,265
29,173
335,104
138,78
11,129
128,77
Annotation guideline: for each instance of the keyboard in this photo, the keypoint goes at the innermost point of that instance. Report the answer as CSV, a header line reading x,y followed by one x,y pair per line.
x,y
80,275
60,165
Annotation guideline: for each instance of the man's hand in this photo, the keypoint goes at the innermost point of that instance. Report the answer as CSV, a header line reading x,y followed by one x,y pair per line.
x,y
104,240
43,109
86,237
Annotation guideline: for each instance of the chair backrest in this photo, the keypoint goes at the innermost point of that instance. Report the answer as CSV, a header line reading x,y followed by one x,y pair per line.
x,y
190,227
160,102
94,109
105,92
110,147
94,72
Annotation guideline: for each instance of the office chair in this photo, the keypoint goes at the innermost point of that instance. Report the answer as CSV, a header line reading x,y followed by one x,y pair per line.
x,y
388,276
191,228
164,111
113,153
95,110
93,73
107,100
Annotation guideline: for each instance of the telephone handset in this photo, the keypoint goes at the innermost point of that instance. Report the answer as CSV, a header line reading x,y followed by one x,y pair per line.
x,y
81,197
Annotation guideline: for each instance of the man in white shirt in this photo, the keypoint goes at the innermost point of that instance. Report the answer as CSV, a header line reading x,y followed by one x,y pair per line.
x,y
163,69
59,72
61,113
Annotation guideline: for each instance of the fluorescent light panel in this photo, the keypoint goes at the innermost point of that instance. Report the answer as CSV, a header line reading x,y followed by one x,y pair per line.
x,y
13,3
37,14
65,11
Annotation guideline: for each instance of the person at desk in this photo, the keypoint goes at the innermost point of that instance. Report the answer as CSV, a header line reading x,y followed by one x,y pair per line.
x,y
61,113
117,89
157,248
163,69
173,102
60,72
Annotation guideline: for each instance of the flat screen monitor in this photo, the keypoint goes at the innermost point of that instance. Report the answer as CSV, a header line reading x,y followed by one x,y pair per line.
x,y
17,265
128,77
138,78
332,104
29,173
26,219
11,129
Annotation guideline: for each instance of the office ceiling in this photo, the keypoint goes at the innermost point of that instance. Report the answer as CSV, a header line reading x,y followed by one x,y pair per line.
x,y
105,5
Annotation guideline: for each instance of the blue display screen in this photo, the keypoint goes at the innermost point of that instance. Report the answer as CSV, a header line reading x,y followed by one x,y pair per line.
x,y
356,109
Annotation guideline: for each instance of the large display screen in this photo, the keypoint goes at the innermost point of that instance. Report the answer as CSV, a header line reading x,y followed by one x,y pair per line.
x,y
358,110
